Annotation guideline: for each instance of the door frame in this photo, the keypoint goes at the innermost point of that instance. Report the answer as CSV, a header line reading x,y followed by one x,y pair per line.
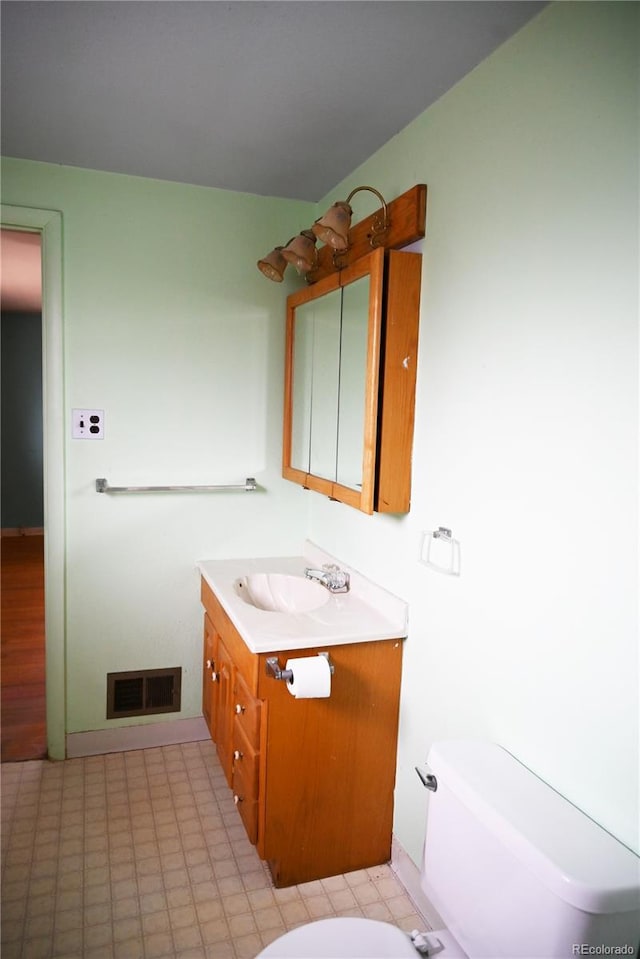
x,y
49,224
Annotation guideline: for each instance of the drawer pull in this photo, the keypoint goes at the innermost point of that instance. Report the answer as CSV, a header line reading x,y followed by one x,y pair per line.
x,y
238,799
239,708
209,664
214,677
237,754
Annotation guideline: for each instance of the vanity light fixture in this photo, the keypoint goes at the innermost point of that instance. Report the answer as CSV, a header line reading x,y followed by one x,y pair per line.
x,y
273,265
332,229
301,251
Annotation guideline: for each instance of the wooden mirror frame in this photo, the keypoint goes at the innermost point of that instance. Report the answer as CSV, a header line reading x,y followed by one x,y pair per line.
x,y
363,499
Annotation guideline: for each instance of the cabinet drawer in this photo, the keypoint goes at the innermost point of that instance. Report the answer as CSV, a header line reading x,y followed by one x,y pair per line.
x,y
245,760
247,711
245,800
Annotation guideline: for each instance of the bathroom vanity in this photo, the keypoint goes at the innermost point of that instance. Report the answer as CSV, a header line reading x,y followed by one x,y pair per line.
x,y
313,779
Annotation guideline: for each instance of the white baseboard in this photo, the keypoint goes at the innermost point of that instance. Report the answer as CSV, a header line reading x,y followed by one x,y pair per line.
x,y
123,738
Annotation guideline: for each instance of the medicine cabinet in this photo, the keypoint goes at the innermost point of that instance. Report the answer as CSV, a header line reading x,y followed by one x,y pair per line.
x,y
351,354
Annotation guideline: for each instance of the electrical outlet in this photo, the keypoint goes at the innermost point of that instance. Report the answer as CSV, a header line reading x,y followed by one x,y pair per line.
x,y
87,424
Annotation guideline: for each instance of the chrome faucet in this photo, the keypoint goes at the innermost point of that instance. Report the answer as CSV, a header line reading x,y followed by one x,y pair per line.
x,y
330,576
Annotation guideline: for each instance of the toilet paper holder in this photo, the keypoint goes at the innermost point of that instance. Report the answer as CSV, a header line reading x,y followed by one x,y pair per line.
x,y
273,668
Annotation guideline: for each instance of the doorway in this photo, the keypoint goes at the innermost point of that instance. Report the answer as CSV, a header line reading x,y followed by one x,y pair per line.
x,y
22,701
48,224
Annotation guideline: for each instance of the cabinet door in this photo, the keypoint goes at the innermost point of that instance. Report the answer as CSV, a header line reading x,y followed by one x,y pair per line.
x,y
209,677
353,442
225,710
331,383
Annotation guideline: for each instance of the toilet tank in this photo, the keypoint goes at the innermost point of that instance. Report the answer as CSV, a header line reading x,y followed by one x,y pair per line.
x,y
515,870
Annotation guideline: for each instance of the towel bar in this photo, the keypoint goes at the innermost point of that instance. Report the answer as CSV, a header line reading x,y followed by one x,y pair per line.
x,y
102,486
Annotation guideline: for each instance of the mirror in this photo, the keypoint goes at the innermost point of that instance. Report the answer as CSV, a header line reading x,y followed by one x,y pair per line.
x,y
333,345
315,384
354,328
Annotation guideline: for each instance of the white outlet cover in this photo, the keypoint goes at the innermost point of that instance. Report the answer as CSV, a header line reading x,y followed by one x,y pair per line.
x,y
87,424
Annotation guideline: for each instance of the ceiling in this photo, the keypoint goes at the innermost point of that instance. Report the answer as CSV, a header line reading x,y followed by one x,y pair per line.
x,y
274,98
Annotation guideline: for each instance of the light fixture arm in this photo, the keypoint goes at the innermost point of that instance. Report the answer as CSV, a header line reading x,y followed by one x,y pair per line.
x,y
379,225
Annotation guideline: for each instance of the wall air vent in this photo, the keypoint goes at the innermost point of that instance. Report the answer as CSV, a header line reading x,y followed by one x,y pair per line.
x,y
144,692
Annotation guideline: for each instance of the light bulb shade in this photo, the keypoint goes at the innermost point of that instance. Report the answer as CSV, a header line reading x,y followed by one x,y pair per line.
x,y
301,251
333,227
273,265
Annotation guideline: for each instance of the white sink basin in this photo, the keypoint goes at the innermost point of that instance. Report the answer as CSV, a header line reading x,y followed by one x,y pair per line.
x,y
281,593
275,608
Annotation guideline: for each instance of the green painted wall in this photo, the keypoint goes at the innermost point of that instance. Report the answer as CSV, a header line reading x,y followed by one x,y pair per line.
x,y
526,421
170,328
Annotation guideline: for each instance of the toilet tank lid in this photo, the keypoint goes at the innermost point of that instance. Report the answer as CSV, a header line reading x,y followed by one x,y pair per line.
x,y
574,856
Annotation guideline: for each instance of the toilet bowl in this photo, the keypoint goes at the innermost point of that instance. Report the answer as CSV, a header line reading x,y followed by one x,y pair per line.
x,y
343,937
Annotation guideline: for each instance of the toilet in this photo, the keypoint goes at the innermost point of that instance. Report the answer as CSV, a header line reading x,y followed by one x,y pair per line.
x,y
514,870
325,938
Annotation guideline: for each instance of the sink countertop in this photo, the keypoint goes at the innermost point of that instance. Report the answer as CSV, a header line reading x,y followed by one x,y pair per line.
x,y
366,613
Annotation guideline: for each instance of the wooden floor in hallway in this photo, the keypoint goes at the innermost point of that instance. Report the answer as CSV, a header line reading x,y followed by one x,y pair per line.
x,y
22,679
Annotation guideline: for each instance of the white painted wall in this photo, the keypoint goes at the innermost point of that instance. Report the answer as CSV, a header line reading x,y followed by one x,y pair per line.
x,y
526,419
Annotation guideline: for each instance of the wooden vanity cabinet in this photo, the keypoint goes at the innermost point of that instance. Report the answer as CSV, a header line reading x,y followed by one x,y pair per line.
x,y
313,779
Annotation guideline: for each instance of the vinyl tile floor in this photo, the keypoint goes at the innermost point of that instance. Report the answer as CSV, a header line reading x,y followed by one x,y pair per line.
x,y
142,855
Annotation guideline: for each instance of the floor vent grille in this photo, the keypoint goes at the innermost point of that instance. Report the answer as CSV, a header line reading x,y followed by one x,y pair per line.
x,y
144,692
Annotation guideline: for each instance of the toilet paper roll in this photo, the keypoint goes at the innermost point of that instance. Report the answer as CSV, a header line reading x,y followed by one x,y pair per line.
x,y
311,677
